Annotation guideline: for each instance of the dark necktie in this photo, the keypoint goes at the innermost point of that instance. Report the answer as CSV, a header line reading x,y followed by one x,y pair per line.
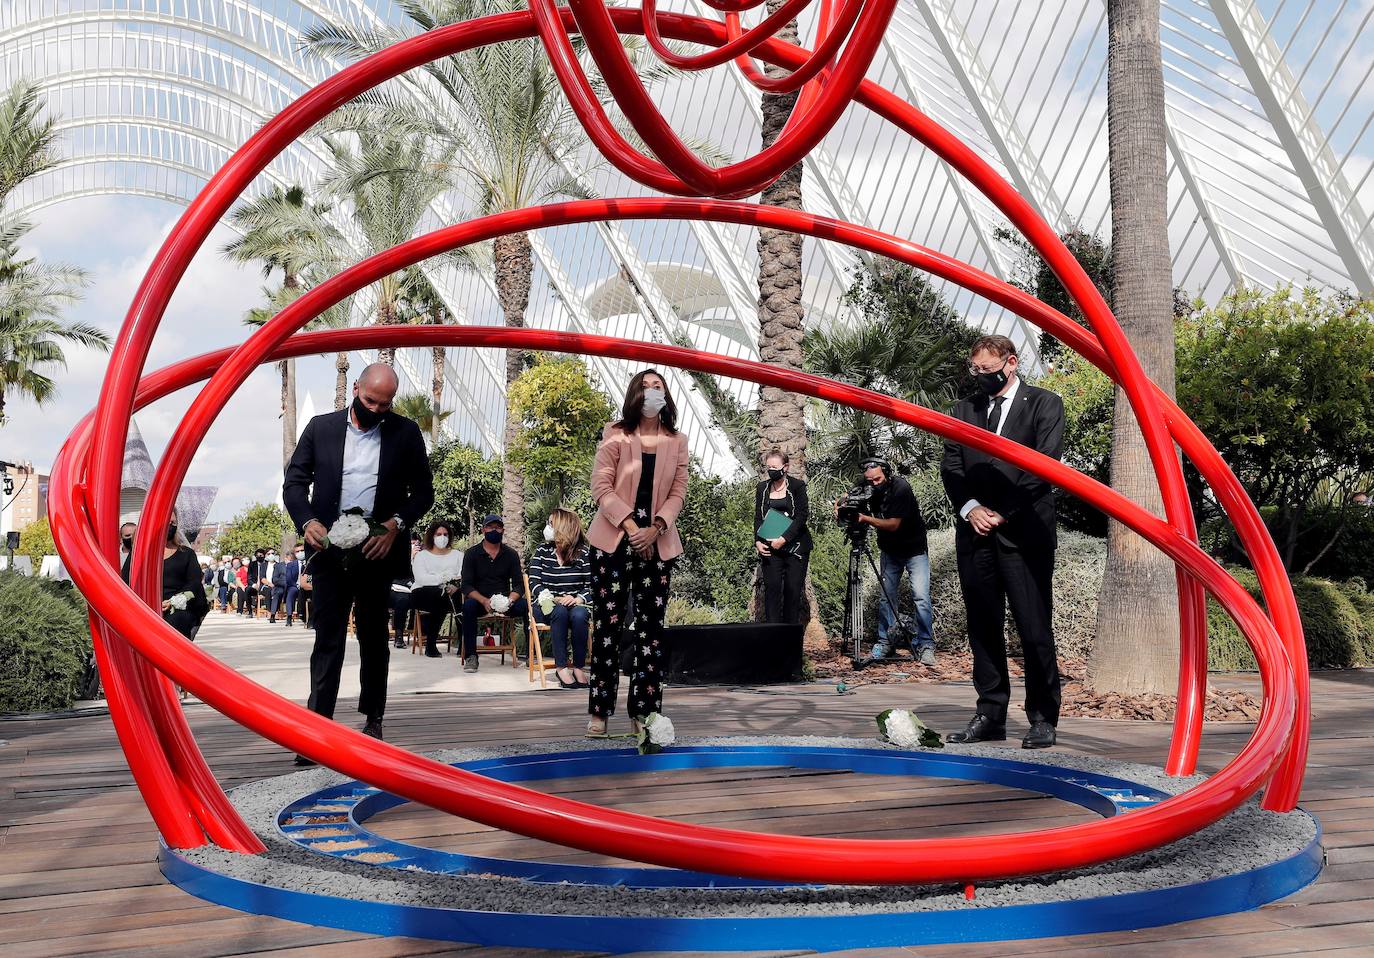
x,y
995,413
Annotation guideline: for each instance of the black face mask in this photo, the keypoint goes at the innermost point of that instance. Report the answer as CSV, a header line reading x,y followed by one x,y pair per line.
x,y
494,536
128,543
171,532
775,474
992,383
365,417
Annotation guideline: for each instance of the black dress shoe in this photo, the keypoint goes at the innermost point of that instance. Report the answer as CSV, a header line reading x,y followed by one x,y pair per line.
x,y
981,729
373,728
399,643
304,762
432,652
1041,735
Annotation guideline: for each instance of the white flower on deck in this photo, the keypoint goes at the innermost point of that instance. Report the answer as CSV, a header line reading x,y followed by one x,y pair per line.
x,y
901,729
660,729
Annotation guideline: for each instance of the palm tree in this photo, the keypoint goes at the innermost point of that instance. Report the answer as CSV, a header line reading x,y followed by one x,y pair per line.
x,y
422,410
425,305
33,295
1137,621
336,317
284,230
514,138
26,141
389,176
782,320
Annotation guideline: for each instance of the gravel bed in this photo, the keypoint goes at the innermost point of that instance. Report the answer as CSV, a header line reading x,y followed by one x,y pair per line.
x,y
1248,838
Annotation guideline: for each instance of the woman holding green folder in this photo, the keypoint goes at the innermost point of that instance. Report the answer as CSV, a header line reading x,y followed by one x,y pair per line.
x,y
782,539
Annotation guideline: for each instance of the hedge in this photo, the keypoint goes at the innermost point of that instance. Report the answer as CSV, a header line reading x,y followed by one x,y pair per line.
x,y
45,641
1337,624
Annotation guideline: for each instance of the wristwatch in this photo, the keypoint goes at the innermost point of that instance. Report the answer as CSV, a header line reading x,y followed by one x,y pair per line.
x,y
400,523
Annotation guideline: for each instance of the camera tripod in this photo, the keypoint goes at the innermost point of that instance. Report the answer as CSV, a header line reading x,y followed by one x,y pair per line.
x,y
853,628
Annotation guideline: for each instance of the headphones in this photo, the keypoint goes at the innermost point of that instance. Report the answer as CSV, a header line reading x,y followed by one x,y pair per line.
x,y
874,462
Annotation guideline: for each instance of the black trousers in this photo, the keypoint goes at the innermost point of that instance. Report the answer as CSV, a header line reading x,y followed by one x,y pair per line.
x,y
431,600
362,589
993,574
784,581
302,597
615,576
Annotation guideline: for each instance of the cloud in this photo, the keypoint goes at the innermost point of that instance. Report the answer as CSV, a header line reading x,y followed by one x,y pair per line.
x,y
115,238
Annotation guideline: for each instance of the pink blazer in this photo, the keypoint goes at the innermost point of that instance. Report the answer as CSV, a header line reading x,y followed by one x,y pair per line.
x,y
615,480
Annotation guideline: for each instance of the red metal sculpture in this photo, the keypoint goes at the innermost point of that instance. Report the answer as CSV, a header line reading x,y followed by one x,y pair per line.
x,y
140,655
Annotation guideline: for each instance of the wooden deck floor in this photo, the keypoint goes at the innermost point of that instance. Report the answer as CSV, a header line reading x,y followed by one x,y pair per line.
x,y
77,850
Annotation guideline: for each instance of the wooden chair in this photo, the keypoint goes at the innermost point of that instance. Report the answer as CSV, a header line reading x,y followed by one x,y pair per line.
x,y
503,627
538,630
416,633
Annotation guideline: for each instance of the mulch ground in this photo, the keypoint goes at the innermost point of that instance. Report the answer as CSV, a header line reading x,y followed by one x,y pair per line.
x,y
1223,705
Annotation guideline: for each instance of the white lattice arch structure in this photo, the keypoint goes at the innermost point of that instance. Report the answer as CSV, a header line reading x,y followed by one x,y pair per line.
x,y
1270,107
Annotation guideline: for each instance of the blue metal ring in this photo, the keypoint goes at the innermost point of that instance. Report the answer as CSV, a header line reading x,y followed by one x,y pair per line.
x,y
1104,794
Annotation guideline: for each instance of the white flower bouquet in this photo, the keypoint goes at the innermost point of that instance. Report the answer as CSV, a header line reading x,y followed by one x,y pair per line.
x,y
545,601
350,531
656,733
181,600
500,604
902,728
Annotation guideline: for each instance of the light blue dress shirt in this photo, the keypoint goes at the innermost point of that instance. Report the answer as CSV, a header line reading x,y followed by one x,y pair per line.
x,y
361,461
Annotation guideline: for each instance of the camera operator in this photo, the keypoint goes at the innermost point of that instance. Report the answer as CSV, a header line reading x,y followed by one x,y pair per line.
x,y
895,514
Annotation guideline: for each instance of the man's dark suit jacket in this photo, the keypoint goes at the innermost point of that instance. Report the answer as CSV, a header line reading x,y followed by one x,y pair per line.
x,y
286,574
1025,500
405,487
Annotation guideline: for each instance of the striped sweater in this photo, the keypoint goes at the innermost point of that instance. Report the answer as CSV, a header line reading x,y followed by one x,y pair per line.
x,y
546,573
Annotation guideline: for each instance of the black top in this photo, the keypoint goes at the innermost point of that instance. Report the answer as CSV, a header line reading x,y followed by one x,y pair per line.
x,y
896,500
644,495
180,573
1026,501
487,576
796,504
405,485
575,578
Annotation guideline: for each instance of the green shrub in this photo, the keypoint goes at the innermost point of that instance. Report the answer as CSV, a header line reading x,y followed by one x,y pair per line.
x,y
683,612
1078,566
1337,625
44,644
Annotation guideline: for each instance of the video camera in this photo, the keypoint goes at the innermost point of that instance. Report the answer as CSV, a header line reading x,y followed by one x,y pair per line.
x,y
854,503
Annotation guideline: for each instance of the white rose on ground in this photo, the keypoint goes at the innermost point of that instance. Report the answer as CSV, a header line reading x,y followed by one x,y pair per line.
x,y
660,729
500,603
349,530
901,729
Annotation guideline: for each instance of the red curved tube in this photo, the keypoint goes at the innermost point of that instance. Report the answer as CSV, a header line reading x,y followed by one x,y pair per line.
x,y
831,33
233,371
171,262
738,45
671,843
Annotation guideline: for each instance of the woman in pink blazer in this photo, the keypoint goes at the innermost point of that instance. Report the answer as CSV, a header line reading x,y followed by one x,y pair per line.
x,y
639,482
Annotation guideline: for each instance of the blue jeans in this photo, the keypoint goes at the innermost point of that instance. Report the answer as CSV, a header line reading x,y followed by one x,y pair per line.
x,y
561,620
918,567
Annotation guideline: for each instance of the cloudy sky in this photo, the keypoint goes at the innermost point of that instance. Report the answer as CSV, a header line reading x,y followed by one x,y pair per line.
x,y
115,238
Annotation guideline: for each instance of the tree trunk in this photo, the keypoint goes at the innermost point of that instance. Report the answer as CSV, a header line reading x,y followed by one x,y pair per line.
x,y
287,368
782,414
1137,615
436,385
288,393
386,316
514,260
340,380
782,321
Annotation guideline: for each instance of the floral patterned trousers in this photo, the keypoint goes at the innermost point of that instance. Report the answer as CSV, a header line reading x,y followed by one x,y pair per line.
x,y
615,577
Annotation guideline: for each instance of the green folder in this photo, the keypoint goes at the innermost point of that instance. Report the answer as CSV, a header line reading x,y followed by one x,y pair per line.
x,y
775,523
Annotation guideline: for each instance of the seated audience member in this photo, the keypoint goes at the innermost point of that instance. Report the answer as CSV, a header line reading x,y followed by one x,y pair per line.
x,y
561,564
490,571
438,567
286,575
400,602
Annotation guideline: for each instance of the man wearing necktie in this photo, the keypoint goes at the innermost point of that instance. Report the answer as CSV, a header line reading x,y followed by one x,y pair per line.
x,y
1005,542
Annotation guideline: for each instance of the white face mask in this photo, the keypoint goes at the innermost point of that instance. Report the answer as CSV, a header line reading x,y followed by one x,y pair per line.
x,y
441,542
548,532
300,553
654,401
